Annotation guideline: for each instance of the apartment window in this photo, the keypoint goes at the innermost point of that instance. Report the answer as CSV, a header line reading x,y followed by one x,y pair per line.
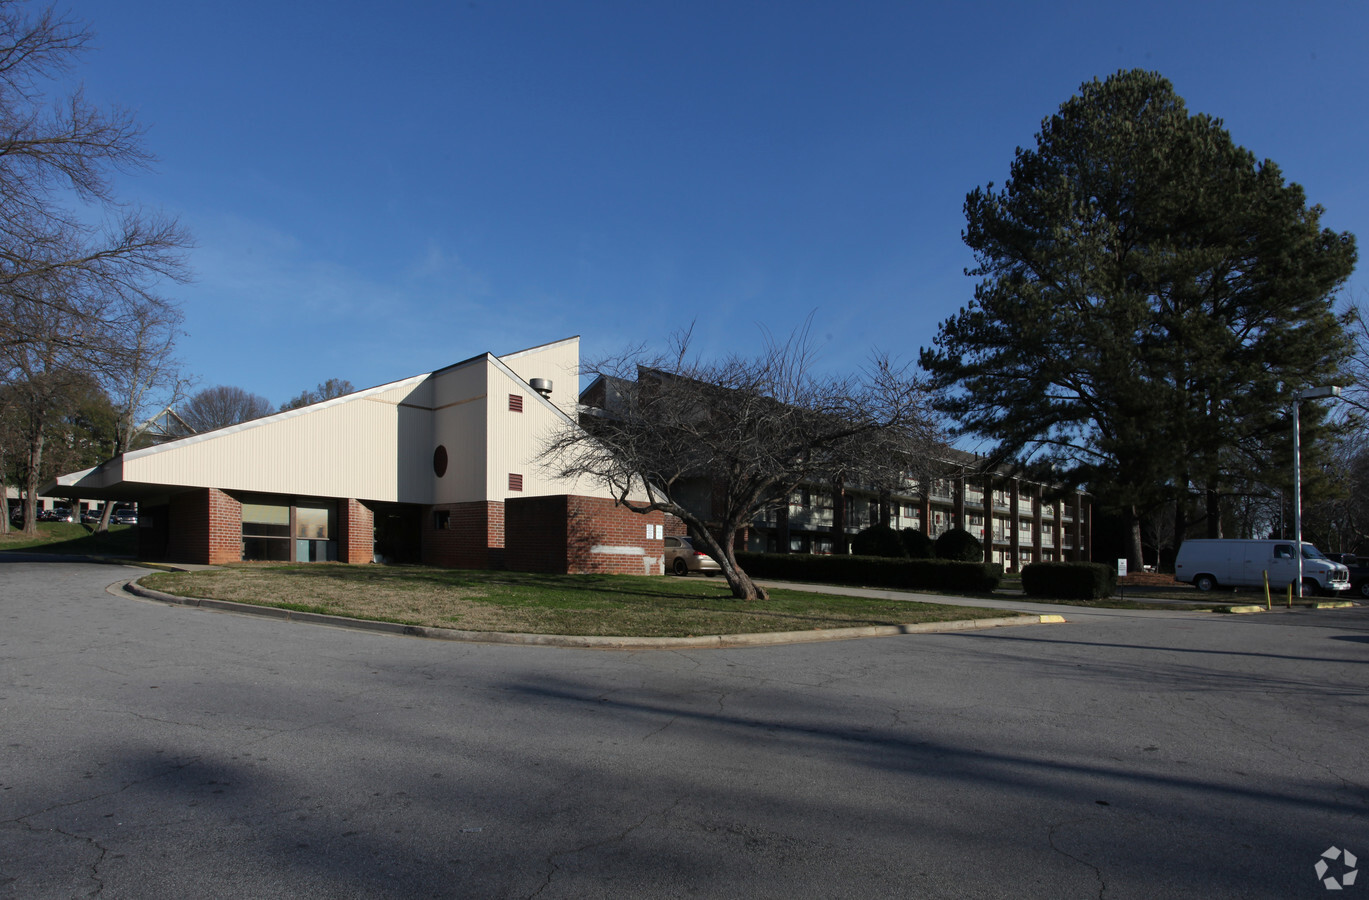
x,y
515,482
442,519
515,402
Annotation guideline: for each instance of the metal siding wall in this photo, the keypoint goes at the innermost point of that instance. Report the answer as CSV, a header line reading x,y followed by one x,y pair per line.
x,y
413,474
350,449
559,362
516,440
459,425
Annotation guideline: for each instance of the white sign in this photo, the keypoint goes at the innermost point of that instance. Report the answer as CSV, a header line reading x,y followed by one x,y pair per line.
x,y
1121,568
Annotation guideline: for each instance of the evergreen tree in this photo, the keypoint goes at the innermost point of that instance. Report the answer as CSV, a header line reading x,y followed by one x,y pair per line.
x,y
1150,296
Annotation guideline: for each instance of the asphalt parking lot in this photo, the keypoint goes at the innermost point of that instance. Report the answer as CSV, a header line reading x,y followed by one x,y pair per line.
x,y
160,751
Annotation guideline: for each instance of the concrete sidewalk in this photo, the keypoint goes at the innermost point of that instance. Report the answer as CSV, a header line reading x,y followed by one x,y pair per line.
x,y
1006,602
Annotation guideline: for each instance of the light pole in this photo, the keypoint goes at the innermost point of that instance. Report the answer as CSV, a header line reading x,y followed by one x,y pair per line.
x,y
1315,393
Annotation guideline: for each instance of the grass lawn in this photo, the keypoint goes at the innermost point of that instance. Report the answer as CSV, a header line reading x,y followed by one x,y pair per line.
x,y
617,605
70,537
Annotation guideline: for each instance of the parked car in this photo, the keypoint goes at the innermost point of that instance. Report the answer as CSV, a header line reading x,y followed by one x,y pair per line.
x,y
1359,571
681,558
56,514
124,517
90,517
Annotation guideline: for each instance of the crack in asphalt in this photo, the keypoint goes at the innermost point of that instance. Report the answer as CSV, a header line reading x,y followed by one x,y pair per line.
x,y
23,818
103,851
1097,873
651,734
553,868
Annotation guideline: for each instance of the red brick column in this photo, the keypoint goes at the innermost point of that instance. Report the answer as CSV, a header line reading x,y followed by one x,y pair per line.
x,y
225,528
356,538
205,527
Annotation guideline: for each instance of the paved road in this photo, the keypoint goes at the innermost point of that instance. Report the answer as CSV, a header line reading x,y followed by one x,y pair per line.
x,y
159,751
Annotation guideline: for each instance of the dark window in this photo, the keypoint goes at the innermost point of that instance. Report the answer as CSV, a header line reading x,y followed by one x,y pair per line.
x,y
440,461
441,519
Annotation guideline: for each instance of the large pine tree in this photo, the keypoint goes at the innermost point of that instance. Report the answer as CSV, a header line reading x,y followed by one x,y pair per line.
x,y
1150,295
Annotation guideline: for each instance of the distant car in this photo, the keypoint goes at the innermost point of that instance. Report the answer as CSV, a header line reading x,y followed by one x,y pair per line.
x,y
681,558
1359,571
124,517
90,516
57,514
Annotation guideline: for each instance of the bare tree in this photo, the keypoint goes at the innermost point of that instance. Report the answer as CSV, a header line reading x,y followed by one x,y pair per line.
x,y
745,432
44,372
144,379
1355,373
333,387
221,406
59,219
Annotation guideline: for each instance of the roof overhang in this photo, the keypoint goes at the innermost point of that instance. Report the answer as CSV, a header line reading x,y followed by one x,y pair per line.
x,y
105,482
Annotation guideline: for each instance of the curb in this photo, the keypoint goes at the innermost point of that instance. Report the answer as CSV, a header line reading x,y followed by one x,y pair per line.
x,y
1255,608
590,642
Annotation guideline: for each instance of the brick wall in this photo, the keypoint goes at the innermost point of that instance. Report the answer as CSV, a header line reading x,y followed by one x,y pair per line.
x,y
535,534
152,531
473,538
581,535
356,532
204,526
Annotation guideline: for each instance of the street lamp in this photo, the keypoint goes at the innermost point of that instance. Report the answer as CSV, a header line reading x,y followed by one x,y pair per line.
x,y
1315,393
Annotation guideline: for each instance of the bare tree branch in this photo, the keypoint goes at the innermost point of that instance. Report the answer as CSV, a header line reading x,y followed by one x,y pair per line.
x,y
719,443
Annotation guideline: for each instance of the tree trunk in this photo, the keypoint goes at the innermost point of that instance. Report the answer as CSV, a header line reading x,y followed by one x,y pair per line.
x,y
102,527
743,588
1180,526
1214,513
35,463
720,547
1135,560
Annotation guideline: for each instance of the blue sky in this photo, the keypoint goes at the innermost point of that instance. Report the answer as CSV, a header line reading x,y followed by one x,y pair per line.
x,y
380,190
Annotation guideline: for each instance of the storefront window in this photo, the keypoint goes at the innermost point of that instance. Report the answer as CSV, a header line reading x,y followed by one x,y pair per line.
x,y
266,532
280,532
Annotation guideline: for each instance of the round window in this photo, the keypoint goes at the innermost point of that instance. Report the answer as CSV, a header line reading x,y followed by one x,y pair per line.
x,y
440,460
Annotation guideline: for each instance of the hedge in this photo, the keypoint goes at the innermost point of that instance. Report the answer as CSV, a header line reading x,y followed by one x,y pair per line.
x,y
957,543
1069,580
879,540
875,571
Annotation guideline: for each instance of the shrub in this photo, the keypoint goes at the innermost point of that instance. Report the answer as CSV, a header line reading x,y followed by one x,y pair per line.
x,y
874,571
918,545
1069,580
959,544
878,540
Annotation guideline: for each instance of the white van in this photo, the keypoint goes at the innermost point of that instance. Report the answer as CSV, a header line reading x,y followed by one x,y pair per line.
x,y
1230,562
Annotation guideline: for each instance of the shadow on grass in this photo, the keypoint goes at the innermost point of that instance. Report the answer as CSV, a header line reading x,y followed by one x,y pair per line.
x,y
73,539
630,585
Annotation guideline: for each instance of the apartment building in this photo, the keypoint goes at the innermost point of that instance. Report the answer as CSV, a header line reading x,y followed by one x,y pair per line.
x,y
1018,521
